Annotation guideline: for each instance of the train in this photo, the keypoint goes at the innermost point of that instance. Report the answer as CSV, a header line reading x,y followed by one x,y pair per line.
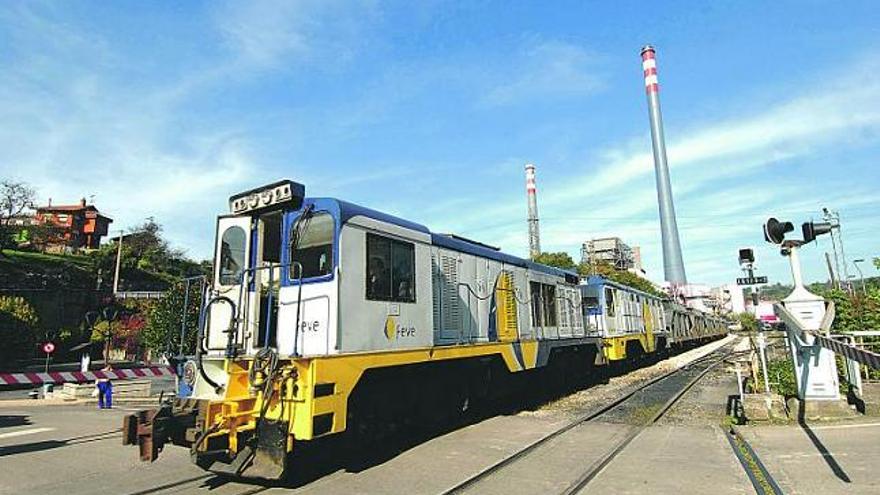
x,y
326,319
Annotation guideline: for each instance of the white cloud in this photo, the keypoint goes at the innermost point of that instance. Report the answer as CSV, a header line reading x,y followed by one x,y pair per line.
x,y
547,68
270,33
618,195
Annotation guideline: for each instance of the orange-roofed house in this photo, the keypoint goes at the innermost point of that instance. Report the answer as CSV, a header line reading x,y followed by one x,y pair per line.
x,y
78,226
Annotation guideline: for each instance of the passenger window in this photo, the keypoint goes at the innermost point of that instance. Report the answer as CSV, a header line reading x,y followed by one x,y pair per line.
x,y
232,248
390,270
609,302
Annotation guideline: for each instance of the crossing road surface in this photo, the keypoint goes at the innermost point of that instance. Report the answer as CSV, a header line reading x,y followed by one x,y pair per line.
x,y
76,450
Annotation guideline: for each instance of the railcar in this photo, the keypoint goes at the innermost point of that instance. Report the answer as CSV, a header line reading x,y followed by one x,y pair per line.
x,y
634,323
325,317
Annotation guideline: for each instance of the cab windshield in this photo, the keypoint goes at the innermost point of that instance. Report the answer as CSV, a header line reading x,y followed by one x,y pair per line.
x,y
311,245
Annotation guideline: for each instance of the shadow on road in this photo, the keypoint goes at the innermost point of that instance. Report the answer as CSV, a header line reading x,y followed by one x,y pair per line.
x,y
54,444
826,455
9,421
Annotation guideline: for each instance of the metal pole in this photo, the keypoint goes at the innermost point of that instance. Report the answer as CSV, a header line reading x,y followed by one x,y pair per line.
x,y
861,276
673,264
761,347
183,317
739,383
834,281
842,252
118,262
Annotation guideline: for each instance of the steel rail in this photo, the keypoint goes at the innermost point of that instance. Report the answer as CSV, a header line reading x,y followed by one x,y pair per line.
x,y
592,414
598,466
751,464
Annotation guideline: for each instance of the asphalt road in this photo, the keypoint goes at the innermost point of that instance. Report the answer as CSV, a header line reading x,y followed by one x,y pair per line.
x,y
76,449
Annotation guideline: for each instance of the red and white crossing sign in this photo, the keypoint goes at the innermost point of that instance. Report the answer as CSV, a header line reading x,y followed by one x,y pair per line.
x,y
48,347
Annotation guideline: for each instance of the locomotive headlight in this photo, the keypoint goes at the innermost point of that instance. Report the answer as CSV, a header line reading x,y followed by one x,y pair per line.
x,y
281,194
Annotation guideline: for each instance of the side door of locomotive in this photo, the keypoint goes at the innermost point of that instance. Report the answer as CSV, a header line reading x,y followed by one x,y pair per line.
x,y
231,279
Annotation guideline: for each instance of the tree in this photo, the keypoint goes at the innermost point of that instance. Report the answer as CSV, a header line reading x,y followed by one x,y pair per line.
x,y
559,260
620,276
854,312
18,327
161,330
15,197
877,263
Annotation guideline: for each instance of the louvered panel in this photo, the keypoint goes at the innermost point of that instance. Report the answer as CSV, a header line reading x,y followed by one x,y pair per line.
x,y
451,314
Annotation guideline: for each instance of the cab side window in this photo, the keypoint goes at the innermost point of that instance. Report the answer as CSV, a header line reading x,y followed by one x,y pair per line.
x,y
609,301
390,271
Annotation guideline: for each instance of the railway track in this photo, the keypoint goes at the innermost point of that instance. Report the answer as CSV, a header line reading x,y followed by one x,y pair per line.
x,y
692,374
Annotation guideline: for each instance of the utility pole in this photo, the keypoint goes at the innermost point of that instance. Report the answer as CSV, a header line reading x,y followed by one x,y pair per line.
x,y
118,263
861,276
835,283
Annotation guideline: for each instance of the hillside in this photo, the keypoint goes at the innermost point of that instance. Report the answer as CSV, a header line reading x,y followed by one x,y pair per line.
x,y
29,271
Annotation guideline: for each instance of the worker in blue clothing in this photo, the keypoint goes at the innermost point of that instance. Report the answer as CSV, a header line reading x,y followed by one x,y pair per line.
x,y
105,389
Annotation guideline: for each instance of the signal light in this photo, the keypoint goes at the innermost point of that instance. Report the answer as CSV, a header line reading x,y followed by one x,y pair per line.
x,y
746,255
812,230
774,230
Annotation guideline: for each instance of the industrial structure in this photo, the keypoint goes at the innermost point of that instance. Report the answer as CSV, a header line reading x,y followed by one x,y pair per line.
x,y
532,196
613,251
673,265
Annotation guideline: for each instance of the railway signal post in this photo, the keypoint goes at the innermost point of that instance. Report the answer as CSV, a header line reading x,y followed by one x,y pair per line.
x,y
803,312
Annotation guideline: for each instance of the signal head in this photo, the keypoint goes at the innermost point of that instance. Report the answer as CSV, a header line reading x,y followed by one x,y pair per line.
x,y
746,255
812,230
774,230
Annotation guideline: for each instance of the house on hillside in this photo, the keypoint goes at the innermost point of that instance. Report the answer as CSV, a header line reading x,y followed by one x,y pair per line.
x,y
78,226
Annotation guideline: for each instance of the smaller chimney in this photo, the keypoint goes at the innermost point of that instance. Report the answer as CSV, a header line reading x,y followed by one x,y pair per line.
x,y
532,197
50,202
82,202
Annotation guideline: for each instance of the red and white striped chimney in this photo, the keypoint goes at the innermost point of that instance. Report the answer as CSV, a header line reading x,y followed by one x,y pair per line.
x,y
532,196
649,66
673,264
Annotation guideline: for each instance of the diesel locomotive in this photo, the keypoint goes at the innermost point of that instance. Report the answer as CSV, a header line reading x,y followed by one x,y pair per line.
x,y
324,318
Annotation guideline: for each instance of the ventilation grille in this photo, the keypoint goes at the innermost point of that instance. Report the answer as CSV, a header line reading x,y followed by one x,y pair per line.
x,y
447,309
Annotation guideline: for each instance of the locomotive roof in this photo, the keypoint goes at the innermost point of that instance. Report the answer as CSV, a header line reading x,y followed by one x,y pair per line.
x,y
348,210
599,280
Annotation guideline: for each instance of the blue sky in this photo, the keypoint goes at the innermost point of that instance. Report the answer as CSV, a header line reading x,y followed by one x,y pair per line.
x,y
429,110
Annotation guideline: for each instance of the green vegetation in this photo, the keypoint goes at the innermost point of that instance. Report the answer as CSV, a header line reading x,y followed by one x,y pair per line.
x,y
18,328
563,260
560,260
751,463
780,372
161,330
748,321
620,276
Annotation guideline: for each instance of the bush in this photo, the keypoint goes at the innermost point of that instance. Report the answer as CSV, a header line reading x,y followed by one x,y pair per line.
x,y
18,327
161,330
780,371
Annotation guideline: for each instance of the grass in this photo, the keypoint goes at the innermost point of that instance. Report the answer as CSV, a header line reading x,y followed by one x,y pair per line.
x,y
29,270
752,464
26,270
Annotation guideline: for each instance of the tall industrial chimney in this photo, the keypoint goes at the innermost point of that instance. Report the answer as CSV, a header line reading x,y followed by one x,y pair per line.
x,y
673,266
531,193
